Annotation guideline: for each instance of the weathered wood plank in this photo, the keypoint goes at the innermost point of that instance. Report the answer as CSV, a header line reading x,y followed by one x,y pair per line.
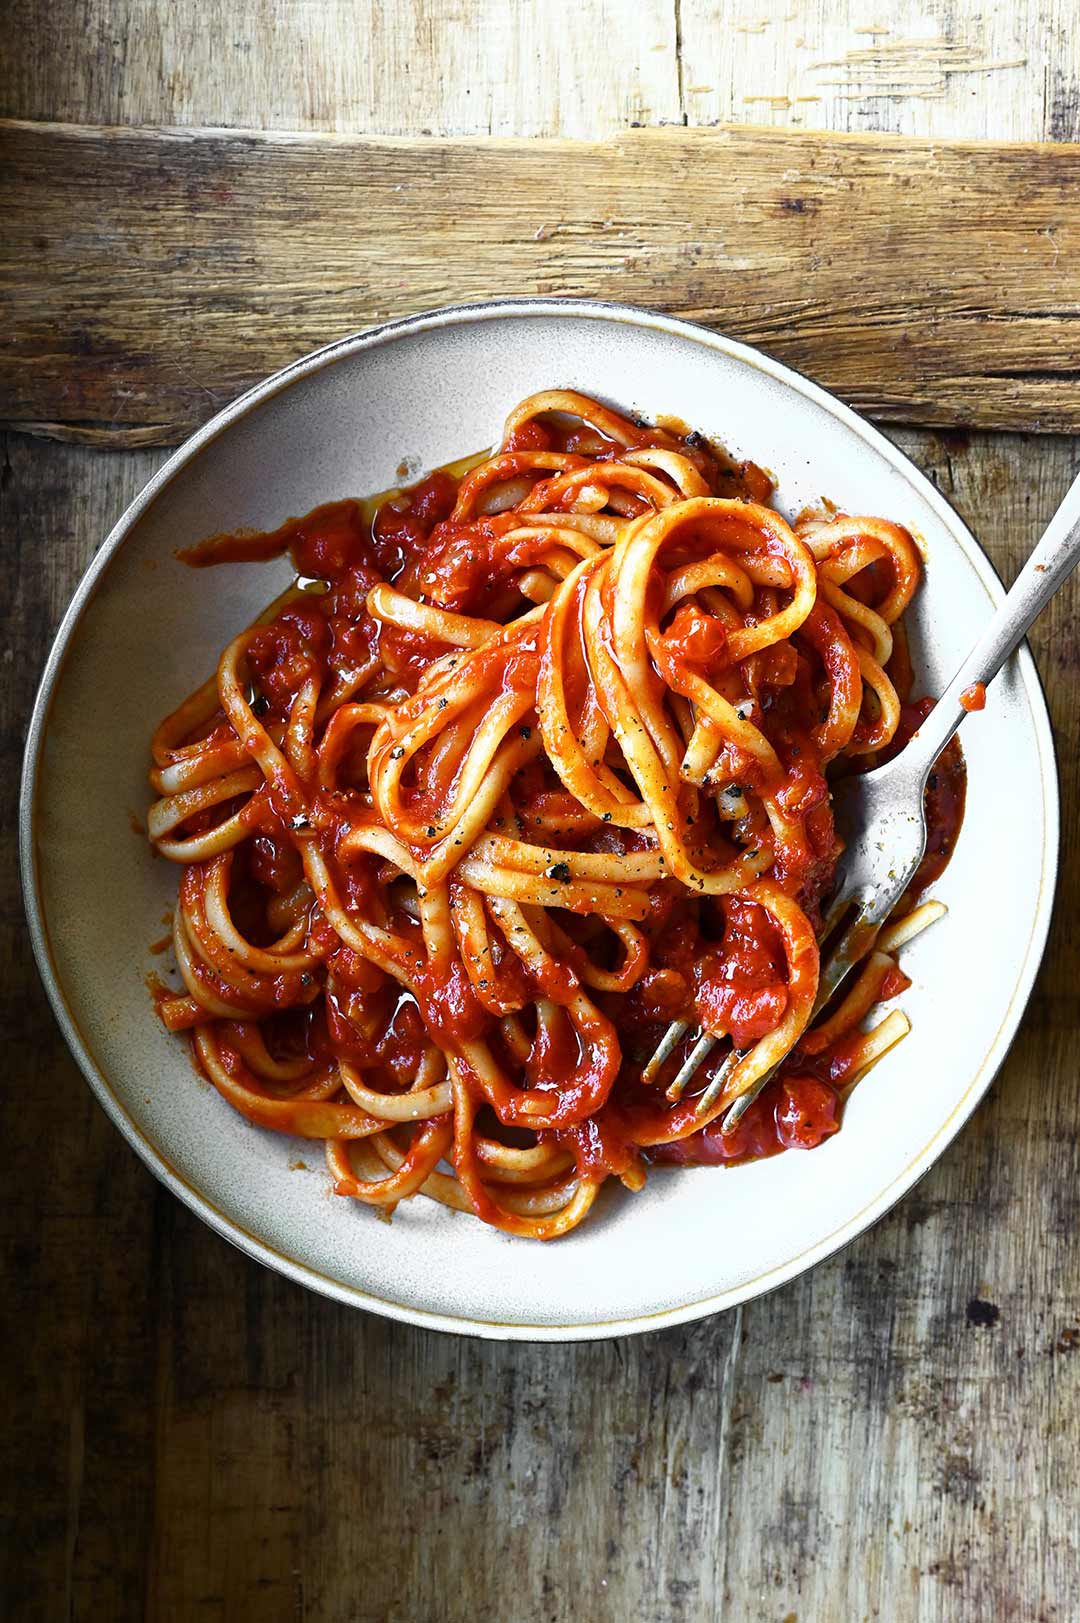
x,y
943,68
150,276
204,1439
77,1442
444,67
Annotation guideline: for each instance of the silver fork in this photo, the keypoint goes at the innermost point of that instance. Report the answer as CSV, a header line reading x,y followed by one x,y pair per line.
x,y
881,815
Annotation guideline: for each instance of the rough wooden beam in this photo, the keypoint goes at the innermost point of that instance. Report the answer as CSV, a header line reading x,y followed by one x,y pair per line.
x,y
151,275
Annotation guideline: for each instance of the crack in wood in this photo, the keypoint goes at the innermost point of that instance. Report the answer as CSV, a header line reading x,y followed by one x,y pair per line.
x,y
679,63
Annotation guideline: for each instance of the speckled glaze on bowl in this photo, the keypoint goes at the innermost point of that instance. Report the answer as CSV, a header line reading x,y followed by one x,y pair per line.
x,y
143,630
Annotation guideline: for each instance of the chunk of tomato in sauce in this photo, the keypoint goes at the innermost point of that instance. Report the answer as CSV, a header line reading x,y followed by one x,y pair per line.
x,y
752,1140
794,1113
739,985
284,654
806,1113
531,436
894,983
599,1150
403,524
330,540
275,864
690,644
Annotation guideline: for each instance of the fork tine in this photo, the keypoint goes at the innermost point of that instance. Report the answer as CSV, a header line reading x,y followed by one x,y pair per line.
x,y
701,1049
853,945
742,1104
716,1086
671,1039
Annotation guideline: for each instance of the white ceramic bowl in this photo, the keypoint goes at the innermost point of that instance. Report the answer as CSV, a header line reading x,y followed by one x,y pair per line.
x,y
143,629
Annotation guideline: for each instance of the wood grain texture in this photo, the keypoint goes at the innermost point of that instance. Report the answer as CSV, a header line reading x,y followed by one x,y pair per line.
x,y
170,270
942,68
587,68
471,67
889,1437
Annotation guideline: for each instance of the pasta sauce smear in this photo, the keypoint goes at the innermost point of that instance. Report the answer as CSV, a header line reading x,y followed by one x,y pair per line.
x,y
533,760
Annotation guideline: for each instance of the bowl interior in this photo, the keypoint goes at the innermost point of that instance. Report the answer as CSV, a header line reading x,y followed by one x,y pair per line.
x,y
151,629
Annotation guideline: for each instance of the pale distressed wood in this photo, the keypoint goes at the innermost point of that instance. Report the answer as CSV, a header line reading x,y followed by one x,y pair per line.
x,y
470,67
199,262
943,68
195,1437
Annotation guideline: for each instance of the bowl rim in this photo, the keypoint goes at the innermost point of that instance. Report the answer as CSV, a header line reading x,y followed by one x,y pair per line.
x,y
258,1248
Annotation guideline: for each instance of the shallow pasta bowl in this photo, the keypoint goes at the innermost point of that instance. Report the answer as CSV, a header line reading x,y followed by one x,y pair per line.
x,y
143,630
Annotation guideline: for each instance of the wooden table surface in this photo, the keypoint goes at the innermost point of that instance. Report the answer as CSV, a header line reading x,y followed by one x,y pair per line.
x,y
187,1435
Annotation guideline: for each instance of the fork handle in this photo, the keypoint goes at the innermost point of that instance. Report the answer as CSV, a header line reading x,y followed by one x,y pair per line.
x,y
1054,558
